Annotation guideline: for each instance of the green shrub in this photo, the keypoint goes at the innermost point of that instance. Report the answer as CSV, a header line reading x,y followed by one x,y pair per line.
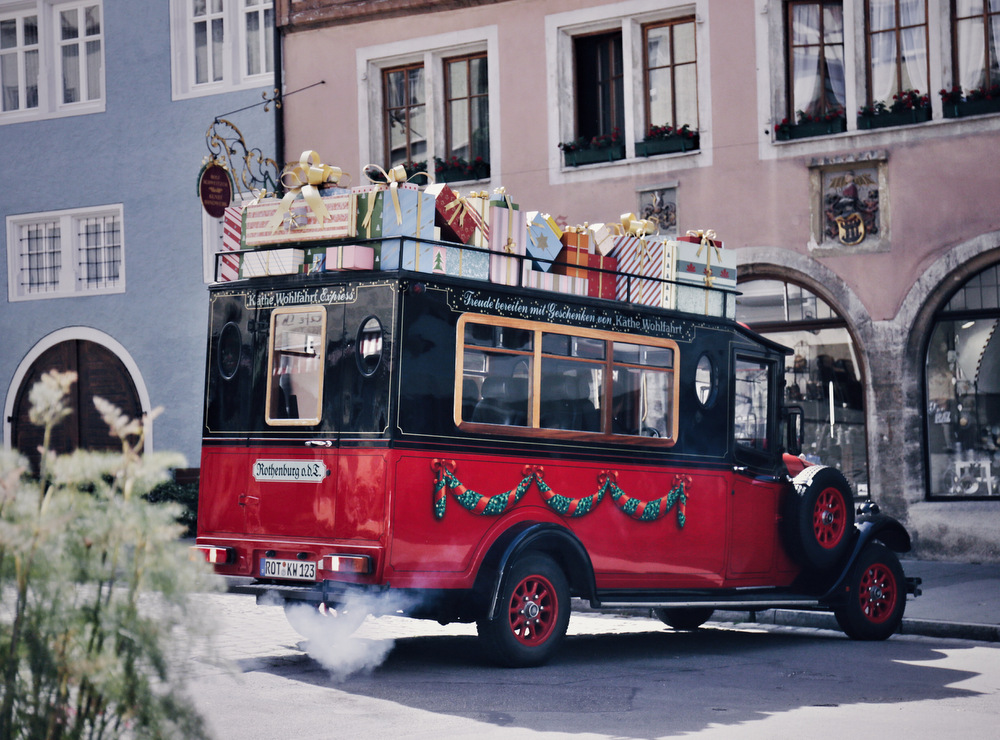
x,y
185,494
96,592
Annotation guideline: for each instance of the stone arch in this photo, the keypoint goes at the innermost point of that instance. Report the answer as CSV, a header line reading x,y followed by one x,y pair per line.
x,y
104,367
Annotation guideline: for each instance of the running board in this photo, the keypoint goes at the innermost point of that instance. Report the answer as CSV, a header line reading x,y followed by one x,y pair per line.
x,y
731,600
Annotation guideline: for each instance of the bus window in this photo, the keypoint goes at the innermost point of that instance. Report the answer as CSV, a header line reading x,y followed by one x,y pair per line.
x,y
496,374
752,403
504,360
642,382
295,378
572,383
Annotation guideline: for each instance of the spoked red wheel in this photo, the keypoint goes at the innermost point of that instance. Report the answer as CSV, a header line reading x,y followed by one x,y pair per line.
x,y
533,610
875,596
878,592
819,518
829,518
533,616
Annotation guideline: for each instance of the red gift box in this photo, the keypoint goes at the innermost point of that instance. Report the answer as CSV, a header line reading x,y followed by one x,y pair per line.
x,y
457,217
602,284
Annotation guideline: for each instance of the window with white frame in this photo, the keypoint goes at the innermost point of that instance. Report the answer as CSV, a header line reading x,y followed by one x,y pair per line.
x,y
51,59
854,55
221,45
976,53
63,253
631,66
429,99
897,48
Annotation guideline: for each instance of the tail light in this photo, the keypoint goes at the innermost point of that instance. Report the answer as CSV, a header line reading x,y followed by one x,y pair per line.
x,y
359,564
215,555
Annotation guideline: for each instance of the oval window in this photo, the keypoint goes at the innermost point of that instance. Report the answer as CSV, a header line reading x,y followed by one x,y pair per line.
x,y
230,350
704,381
369,352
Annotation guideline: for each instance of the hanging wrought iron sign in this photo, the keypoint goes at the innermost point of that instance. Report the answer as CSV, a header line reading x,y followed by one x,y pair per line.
x,y
215,188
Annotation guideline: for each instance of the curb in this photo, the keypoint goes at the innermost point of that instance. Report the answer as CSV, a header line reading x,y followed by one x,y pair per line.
x,y
826,621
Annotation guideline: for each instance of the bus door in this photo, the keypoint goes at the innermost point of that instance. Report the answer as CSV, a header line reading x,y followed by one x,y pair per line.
x,y
231,380
754,508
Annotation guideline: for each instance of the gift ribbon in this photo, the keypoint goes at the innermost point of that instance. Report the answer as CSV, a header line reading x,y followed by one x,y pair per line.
x,y
483,197
640,228
707,239
305,178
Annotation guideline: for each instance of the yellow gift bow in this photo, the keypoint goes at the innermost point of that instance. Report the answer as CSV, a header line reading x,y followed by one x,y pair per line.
x,y
641,228
393,178
305,178
461,206
707,239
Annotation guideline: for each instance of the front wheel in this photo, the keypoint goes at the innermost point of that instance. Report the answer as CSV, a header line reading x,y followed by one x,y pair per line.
x,y
534,614
876,595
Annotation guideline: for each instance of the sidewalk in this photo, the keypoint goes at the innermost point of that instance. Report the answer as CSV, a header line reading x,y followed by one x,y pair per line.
x,y
958,600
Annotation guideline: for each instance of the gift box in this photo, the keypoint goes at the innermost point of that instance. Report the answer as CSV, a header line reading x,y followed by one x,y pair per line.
x,y
508,230
227,266
575,256
455,215
268,262
368,211
703,261
701,264
467,262
274,221
480,203
350,257
641,257
555,282
602,237
544,243
601,284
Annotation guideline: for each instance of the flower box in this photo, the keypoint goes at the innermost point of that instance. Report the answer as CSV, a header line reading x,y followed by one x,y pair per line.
x,y
669,145
579,157
895,118
965,108
811,128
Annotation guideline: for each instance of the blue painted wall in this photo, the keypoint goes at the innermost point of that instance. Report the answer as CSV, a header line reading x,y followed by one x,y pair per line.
x,y
145,151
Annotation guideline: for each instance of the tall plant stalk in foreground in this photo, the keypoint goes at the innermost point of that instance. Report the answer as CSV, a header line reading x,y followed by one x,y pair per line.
x,y
96,607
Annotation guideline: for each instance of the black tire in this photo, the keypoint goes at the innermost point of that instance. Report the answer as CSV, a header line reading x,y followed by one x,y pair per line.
x,y
820,519
684,619
314,621
876,595
533,615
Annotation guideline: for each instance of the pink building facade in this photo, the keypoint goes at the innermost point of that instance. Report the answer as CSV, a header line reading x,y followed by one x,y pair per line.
x,y
861,208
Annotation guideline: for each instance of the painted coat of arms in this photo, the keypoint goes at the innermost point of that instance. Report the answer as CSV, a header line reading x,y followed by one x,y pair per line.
x,y
851,205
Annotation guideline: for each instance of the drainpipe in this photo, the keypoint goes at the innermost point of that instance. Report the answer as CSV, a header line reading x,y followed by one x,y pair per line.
x,y
279,110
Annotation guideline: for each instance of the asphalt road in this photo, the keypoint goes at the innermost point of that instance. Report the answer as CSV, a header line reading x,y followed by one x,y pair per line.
x,y
616,677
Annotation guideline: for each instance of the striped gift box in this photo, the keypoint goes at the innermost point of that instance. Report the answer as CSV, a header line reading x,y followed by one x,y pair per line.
x,y
651,257
227,266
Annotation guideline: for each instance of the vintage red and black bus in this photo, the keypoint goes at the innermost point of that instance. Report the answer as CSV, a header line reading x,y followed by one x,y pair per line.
x,y
493,451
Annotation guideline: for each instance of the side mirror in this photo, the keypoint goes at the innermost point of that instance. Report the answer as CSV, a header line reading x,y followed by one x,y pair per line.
x,y
791,418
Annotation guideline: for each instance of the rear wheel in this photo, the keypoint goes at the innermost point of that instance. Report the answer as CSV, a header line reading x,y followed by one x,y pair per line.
x,y
876,595
533,615
821,522
684,619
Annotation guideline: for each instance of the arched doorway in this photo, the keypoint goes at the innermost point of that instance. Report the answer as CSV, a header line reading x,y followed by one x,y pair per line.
x,y
823,375
962,388
99,373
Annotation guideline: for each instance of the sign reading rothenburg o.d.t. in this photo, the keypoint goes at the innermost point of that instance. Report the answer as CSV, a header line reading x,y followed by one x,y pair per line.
x,y
290,471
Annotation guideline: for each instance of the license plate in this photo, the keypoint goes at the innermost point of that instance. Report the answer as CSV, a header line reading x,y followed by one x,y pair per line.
x,y
297,570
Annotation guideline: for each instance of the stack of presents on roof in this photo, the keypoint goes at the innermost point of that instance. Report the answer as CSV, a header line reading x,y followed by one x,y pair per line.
x,y
392,224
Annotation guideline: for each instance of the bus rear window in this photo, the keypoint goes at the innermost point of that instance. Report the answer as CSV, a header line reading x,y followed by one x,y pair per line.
x,y
295,362
560,380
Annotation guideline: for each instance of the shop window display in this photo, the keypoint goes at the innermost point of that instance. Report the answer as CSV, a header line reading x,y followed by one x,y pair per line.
x,y
822,376
963,393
